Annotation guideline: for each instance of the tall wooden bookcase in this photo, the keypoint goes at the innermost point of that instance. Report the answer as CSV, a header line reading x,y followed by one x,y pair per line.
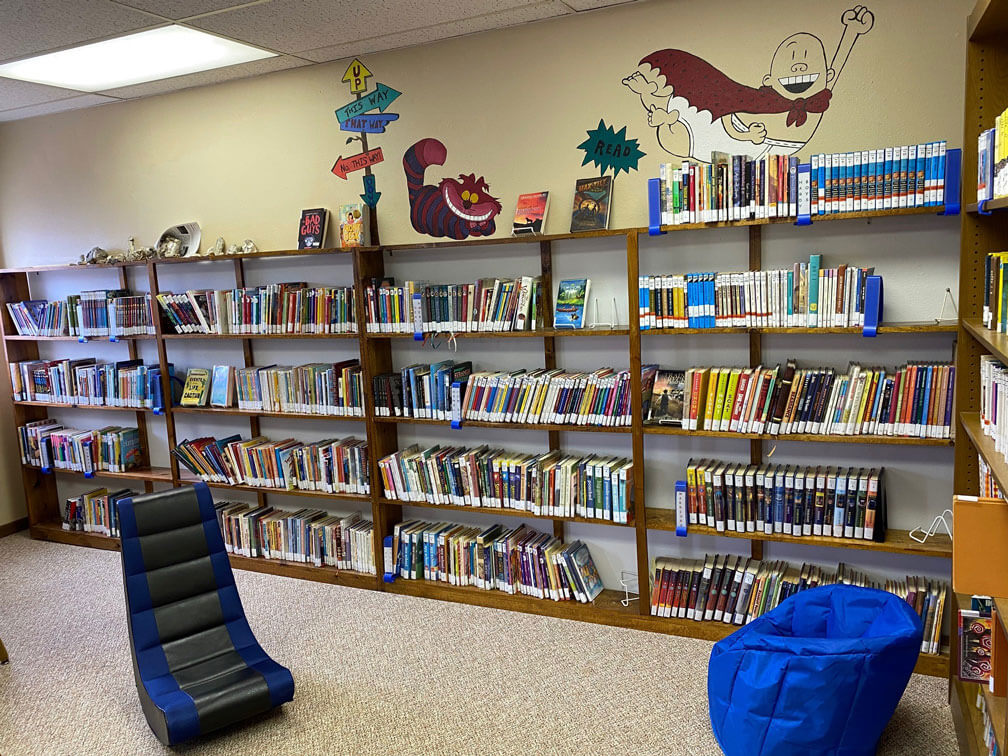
x,y
376,354
984,230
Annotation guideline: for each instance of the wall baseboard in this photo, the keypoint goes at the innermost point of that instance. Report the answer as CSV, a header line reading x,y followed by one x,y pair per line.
x,y
13,527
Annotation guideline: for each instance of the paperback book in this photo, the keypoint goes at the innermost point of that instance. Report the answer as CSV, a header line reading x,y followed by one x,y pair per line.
x,y
530,213
571,303
592,202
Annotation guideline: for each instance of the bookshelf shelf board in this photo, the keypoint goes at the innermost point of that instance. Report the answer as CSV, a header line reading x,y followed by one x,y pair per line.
x,y
668,430
988,19
260,336
511,426
897,541
285,492
162,474
997,710
863,215
984,446
536,334
999,203
263,254
59,405
525,239
87,340
502,511
921,326
994,342
53,531
607,609
257,413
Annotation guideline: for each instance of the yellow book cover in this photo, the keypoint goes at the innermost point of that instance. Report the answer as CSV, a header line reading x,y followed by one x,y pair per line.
x,y
713,382
698,403
197,388
870,379
726,402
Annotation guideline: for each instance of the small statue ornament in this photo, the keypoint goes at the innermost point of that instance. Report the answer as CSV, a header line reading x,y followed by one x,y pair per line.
x,y
94,256
170,247
233,249
217,248
249,247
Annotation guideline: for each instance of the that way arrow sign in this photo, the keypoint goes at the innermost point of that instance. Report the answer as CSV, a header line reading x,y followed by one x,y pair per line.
x,y
380,98
343,165
374,123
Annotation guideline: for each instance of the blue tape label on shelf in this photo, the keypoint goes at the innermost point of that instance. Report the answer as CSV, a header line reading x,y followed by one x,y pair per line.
x,y
82,339
89,475
417,318
47,470
680,506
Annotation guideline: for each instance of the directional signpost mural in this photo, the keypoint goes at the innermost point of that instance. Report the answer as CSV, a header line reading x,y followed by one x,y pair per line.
x,y
364,115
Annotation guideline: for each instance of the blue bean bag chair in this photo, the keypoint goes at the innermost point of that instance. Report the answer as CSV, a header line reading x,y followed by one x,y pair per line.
x,y
820,675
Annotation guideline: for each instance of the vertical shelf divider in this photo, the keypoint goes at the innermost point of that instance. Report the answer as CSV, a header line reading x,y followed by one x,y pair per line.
x,y
756,358
637,424
248,360
166,388
549,342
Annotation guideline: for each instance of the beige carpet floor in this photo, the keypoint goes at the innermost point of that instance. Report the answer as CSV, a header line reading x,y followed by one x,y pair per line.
x,y
374,674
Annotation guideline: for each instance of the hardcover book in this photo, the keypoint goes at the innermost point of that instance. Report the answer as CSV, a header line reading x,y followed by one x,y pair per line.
x,y
355,227
221,390
592,200
572,298
667,397
312,229
197,388
530,214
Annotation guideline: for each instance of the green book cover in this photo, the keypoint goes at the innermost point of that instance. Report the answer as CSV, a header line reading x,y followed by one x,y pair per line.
x,y
813,289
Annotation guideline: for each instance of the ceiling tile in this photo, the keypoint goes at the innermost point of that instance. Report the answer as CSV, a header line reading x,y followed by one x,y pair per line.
x,y
30,27
71,103
292,26
203,78
179,9
499,20
19,94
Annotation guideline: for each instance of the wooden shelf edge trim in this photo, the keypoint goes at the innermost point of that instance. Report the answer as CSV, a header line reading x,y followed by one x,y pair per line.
x,y
494,511
665,430
509,426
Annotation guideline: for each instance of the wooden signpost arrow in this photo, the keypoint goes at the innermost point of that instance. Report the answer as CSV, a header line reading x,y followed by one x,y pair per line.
x,y
343,165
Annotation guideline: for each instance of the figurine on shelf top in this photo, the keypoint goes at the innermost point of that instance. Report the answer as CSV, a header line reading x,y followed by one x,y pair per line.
x,y
217,248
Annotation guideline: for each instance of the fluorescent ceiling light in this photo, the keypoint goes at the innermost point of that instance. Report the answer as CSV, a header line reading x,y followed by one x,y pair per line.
x,y
133,59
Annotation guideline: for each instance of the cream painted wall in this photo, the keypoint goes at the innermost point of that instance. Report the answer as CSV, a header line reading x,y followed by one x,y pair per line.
x,y
243,158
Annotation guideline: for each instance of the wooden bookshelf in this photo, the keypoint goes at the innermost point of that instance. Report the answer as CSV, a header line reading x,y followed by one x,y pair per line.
x,y
920,326
495,511
376,355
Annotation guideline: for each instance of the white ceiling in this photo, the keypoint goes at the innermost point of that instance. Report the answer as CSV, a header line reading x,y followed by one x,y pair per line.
x,y
303,32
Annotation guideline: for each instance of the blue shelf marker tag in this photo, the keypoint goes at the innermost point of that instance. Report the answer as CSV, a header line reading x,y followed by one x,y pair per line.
x,y
47,470
113,339
953,181
389,576
89,475
873,306
681,516
804,217
982,208
157,410
456,424
654,207
82,339
418,334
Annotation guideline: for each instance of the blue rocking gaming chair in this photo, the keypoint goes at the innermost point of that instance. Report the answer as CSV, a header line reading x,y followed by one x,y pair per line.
x,y
197,665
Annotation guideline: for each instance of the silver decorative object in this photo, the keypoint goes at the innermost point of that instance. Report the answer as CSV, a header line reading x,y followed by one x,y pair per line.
x,y
94,256
217,248
233,249
169,247
249,247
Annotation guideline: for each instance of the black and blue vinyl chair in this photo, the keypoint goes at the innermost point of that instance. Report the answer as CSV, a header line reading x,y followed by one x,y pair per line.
x,y
197,665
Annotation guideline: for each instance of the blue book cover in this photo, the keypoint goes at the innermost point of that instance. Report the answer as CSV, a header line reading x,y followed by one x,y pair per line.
x,y
778,503
571,302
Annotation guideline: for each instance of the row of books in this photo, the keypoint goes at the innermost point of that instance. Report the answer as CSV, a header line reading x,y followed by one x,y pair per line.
x,y
805,295
327,388
280,308
94,511
988,488
995,292
993,400
489,304
49,444
102,313
309,536
551,484
736,590
451,391
915,400
331,466
88,382
512,560
992,160
792,499
735,187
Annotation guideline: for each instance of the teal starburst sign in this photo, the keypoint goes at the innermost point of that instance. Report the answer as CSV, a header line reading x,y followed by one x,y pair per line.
x,y
608,148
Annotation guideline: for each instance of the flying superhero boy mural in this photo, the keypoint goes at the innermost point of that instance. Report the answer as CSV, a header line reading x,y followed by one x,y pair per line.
x,y
696,109
456,208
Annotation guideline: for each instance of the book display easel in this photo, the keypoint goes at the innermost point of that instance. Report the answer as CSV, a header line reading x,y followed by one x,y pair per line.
x,y
984,230
376,357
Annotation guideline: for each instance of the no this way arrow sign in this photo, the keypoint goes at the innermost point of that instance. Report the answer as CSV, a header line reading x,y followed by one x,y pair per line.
x,y
343,165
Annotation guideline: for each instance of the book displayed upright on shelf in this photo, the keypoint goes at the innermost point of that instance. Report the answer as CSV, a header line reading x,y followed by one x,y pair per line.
x,y
222,386
546,485
736,590
497,558
489,304
794,500
806,295
312,228
355,225
592,203
572,300
530,213
197,388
